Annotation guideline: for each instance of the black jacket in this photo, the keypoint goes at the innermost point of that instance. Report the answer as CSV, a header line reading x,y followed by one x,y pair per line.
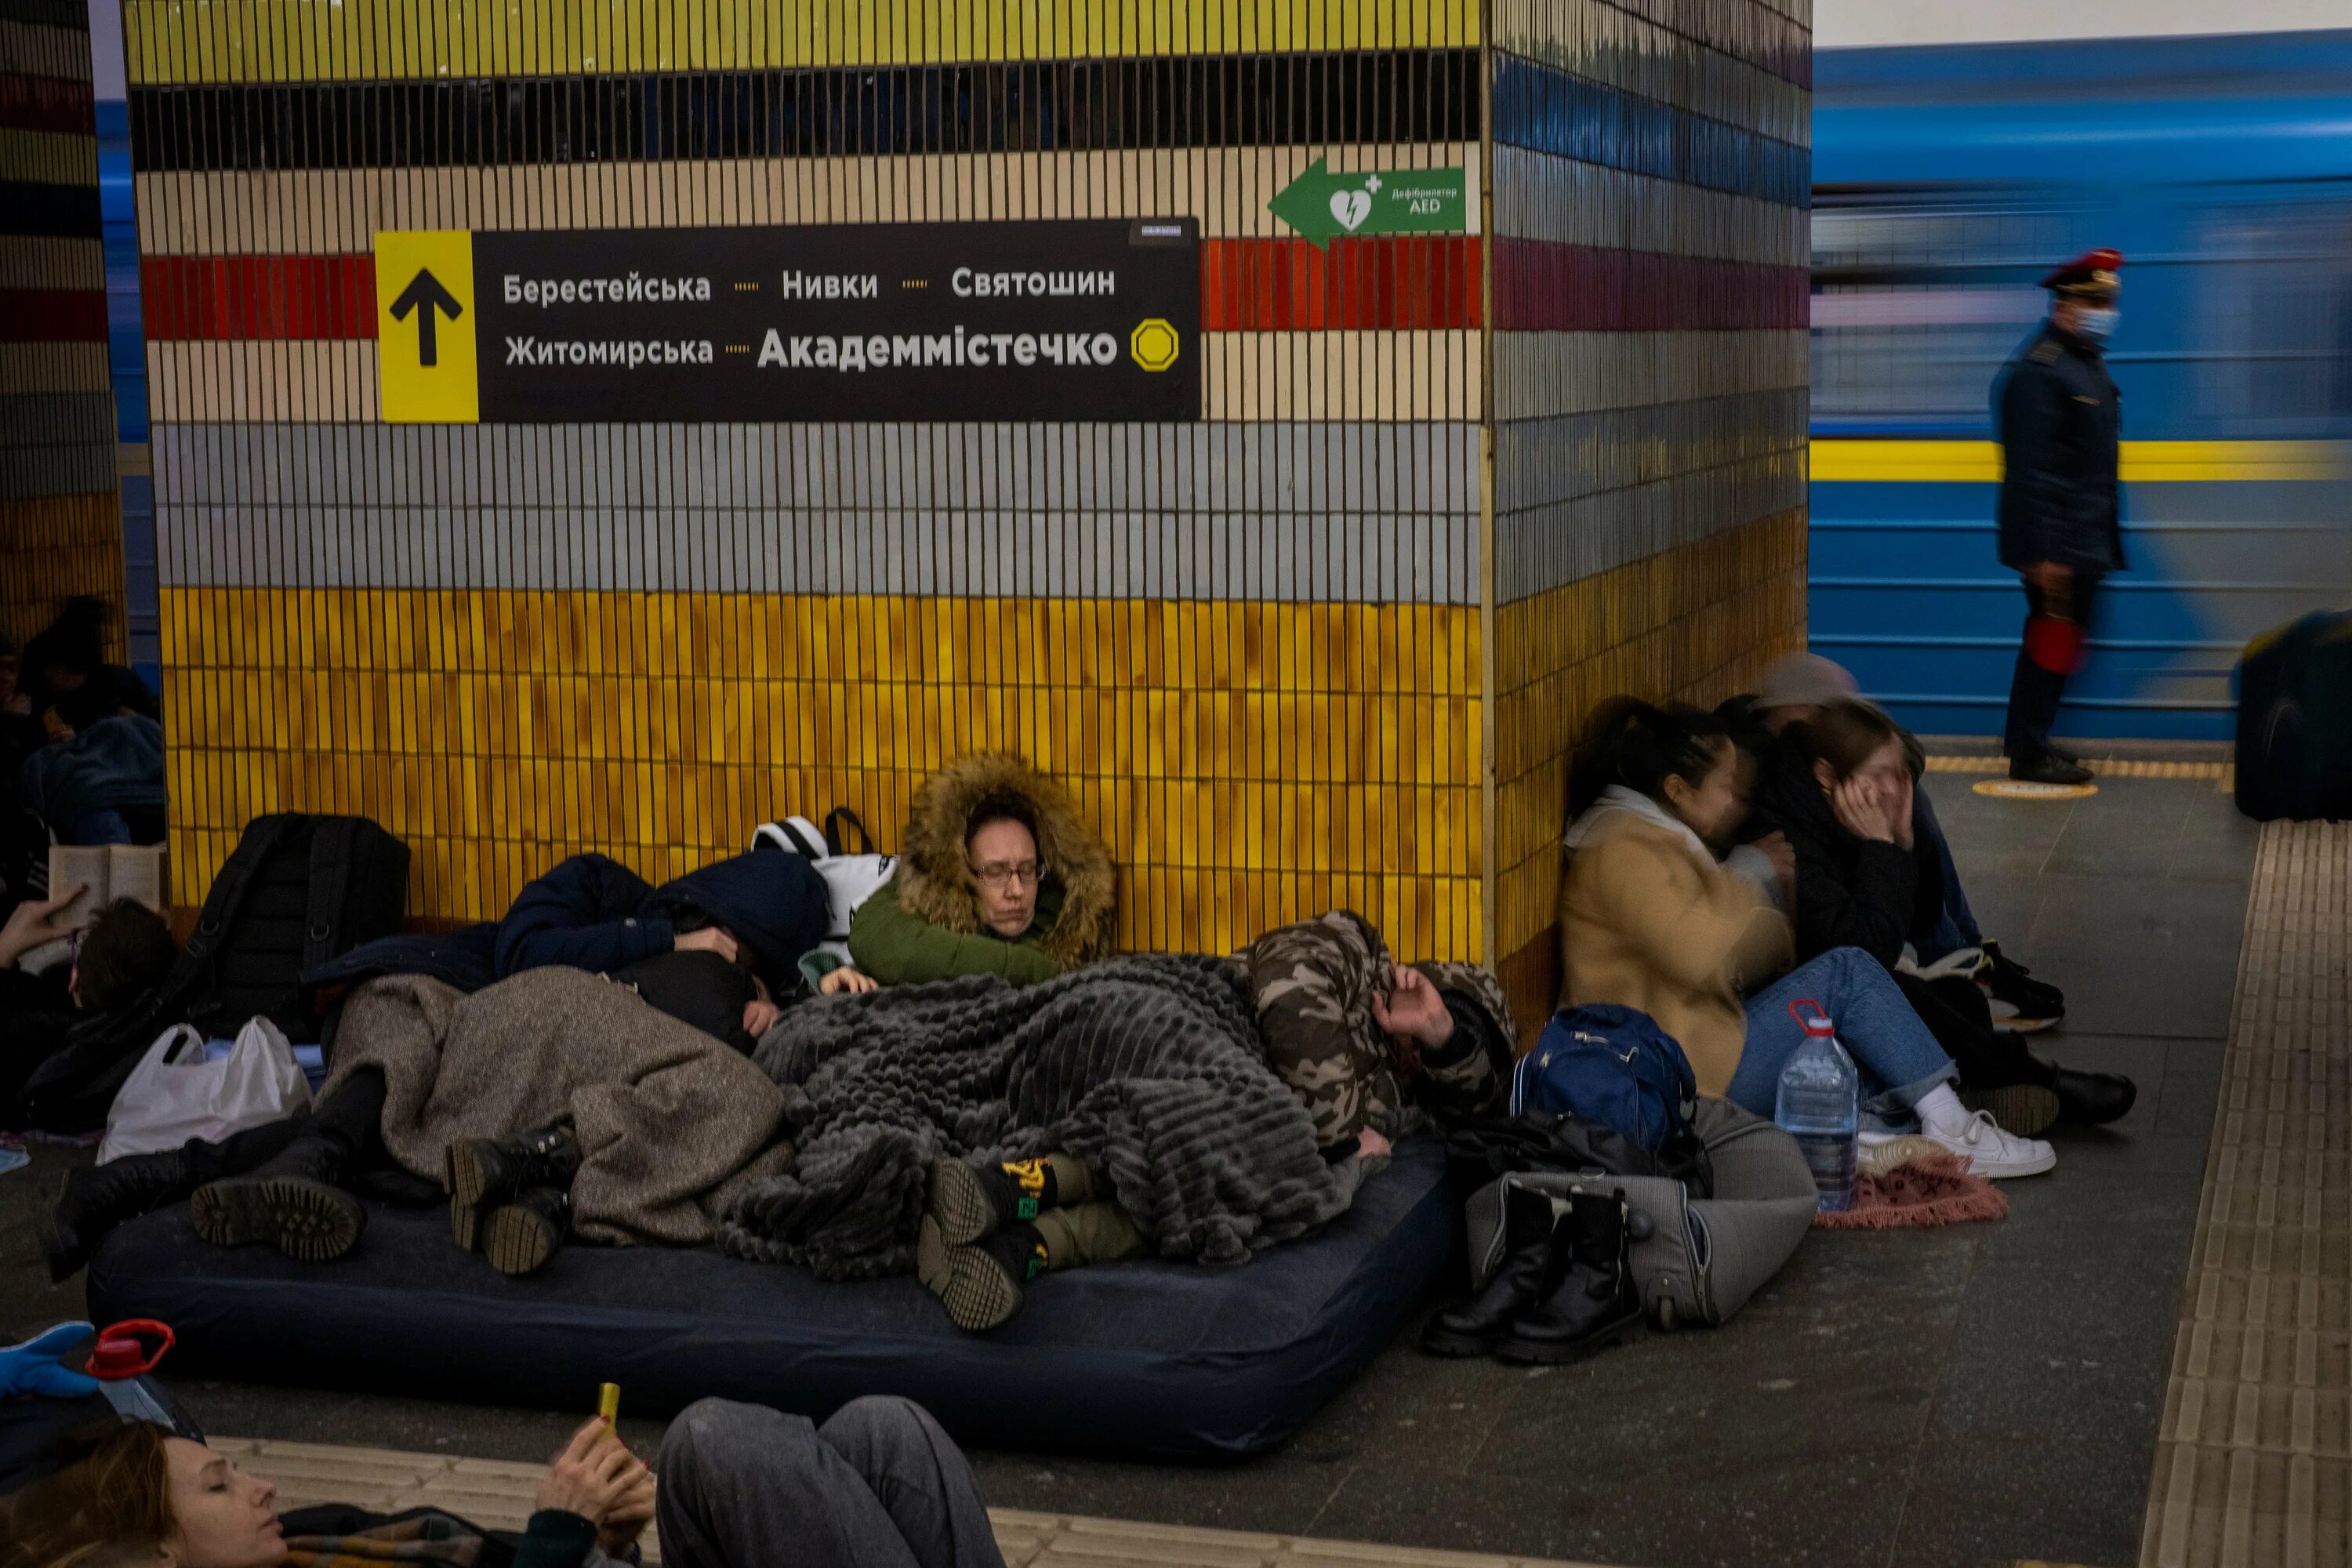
x,y
1850,892
2058,416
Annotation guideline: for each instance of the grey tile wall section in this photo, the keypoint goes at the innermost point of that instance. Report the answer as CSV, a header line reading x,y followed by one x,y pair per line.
x,y
1539,374
56,471
69,419
1541,548
1370,513
1540,462
1541,196
45,368
1603,42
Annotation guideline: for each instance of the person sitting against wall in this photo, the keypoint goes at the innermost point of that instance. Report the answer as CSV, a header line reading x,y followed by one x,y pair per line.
x,y
998,876
1796,688
879,1482
1650,918
1838,785
125,953
69,681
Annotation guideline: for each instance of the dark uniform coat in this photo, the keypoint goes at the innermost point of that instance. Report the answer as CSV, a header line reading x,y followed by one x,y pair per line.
x,y
2057,416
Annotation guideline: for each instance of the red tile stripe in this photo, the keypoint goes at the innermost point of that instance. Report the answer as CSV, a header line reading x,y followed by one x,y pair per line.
x,y
1246,285
52,315
257,296
45,104
1288,285
1544,287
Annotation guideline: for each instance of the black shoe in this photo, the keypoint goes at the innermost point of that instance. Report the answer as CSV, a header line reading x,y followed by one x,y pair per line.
x,y
972,1203
96,1198
297,1202
2021,1004
520,1236
980,1285
2049,768
1476,1326
481,1174
2027,1110
1591,1301
2093,1099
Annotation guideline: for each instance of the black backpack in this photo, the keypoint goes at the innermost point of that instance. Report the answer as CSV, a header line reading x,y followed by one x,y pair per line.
x,y
2295,721
297,891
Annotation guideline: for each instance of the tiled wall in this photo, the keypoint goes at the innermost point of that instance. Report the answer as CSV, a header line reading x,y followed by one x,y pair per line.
x,y
1257,646
60,533
1650,177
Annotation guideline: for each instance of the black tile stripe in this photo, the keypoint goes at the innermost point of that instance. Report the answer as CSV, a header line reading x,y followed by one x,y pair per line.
x,y
28,207
1232,101
71,15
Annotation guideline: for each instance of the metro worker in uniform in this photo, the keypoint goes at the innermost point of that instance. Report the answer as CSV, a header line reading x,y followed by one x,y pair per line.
x,y
2057,415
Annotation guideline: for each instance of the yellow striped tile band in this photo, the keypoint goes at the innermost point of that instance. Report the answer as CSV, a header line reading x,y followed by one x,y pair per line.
x,y
188,41
2144,462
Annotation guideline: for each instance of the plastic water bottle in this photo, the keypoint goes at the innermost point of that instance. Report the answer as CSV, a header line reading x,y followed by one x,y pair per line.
x,y
1820,1106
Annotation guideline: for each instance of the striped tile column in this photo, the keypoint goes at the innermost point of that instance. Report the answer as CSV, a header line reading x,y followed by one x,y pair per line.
x,y
60,531
1261,646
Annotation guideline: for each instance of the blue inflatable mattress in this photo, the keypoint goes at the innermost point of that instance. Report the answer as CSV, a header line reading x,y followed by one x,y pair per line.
x,y
1150,1359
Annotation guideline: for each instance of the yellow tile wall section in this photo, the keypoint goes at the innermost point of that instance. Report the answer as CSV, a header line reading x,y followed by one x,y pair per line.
x,y
53,548
1696,624
325,40
1248,763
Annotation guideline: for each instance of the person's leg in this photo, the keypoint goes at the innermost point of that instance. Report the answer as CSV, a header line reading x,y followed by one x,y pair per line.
x,y
1900,1060
1956,928
1955,1013
98,827
1088,1232
922,1479
735,1480
2034,695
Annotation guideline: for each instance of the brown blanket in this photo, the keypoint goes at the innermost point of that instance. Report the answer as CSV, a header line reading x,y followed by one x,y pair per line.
x,y
670,1119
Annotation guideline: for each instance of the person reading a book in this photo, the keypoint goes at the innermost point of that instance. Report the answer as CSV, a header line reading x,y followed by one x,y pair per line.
x,y
117,957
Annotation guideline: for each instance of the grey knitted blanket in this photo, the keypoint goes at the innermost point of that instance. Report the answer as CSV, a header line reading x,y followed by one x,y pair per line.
x,y
1150,1069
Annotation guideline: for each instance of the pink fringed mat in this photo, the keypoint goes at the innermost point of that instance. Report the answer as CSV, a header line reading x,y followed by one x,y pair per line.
x,y
1929,1190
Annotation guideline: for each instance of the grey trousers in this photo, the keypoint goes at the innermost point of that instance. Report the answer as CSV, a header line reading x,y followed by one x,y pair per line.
x,y
878,1486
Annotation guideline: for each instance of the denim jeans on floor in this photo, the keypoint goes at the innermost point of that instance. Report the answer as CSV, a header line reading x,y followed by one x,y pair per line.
x,y
1900,1060
1958,927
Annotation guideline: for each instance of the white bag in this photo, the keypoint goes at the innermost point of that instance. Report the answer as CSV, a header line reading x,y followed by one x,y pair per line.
x,y
175,1094
850,879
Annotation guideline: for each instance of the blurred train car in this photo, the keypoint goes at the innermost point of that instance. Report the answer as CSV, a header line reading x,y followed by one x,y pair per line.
x,y
1947,179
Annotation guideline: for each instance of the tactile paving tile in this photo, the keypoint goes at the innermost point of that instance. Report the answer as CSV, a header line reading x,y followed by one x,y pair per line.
x,y
2254,1462
496,1494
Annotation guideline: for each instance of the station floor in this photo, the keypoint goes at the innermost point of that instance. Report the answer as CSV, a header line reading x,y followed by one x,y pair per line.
x,y
1984,1394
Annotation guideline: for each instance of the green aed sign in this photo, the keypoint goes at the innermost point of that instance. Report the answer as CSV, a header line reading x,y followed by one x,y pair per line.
x,y
1325,207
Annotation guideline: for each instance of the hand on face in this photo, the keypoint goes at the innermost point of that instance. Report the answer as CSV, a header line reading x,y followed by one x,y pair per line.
x,y
223,1518
1860,808
1413,1009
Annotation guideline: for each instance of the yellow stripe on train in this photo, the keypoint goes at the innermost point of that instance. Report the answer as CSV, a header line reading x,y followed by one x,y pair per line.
x,y
2144,462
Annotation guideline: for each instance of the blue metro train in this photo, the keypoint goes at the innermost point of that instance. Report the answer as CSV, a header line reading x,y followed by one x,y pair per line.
x,y
1947,179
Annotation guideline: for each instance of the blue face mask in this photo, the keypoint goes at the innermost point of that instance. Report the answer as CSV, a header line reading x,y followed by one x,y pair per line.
x,y
2098,325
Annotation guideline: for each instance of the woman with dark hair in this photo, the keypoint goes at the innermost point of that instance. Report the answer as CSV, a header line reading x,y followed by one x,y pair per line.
x,y
1650,918
1837,784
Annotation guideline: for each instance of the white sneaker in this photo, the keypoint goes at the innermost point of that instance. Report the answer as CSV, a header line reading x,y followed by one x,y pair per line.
x,y
1994,1154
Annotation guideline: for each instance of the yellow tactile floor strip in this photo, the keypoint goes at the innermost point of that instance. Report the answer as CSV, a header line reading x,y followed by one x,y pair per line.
x,y
2223,775
496,1494
2253,1461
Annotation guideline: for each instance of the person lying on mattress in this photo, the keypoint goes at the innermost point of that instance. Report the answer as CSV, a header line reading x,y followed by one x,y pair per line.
x,y
999,877
879,1483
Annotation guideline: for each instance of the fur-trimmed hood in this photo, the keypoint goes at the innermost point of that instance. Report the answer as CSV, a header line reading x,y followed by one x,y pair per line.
x,y
935,881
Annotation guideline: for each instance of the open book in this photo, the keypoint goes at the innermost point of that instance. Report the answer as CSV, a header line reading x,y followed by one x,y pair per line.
x,y
106,872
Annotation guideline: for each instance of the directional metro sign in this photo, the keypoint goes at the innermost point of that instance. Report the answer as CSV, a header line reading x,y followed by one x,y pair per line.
x,y
424,327
1081,320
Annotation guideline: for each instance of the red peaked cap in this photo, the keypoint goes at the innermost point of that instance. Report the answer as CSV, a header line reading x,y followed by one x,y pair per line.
x,y
2092,275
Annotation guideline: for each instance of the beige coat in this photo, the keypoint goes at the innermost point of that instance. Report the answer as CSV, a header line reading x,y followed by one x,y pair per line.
x,y
1645,922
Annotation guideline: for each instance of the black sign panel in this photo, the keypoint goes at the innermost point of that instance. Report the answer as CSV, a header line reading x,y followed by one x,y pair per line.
x,y
1084,319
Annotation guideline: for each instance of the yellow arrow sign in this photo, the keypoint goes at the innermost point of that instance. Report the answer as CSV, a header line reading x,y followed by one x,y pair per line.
x,y
424,320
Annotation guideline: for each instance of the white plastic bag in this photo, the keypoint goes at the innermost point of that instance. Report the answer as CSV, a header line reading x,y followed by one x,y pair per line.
x,y
175,1094
849,879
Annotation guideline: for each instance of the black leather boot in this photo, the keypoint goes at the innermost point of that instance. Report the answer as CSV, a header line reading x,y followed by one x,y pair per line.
x,y
96,1198
481,1173
2092,1099
297,1202
1476,1326
1592,1301
521,1235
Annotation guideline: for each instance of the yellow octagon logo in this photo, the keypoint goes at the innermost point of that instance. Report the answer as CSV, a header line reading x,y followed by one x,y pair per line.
x,y
1154,344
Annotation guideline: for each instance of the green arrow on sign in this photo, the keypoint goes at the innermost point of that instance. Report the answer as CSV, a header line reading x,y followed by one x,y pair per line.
x,y
1325,207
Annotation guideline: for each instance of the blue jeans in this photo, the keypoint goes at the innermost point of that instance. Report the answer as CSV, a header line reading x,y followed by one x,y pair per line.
x,y
1958,927
1900,1060
99,827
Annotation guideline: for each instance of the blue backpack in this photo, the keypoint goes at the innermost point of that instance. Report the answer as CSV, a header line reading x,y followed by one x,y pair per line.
x,y
1613,1065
